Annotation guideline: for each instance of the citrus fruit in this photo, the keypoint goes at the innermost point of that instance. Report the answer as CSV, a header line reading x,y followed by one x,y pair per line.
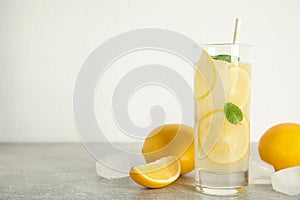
x,y
216,96
171,140
240,85
157,174
205,76
220,141
280,146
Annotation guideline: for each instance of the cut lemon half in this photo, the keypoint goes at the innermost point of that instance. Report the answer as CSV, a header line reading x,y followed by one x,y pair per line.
x,y
222,142
157,174
205,76
240,85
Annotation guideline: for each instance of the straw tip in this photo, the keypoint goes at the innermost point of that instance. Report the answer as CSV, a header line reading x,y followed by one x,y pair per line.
x,y
237,30
238,22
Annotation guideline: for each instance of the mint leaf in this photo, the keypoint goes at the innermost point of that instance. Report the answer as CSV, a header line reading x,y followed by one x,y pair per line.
x,y
233,113
227,58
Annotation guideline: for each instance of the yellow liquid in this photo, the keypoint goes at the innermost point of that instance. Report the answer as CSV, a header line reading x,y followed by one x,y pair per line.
x,y
220,146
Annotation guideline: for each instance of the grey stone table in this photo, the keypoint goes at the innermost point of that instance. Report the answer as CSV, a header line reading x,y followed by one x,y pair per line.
x,y
67,171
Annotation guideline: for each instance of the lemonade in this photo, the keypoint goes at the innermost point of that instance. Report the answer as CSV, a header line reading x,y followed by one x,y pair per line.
x,y
222,85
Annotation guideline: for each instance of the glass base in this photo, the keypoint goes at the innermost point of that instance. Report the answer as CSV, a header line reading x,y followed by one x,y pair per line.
x,y
221,184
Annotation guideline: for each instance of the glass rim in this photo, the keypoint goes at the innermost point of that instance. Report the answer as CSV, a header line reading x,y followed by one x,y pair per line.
x,y
225,44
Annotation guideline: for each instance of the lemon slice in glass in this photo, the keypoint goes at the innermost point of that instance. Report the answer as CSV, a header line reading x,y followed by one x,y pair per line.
x,y
222,142
240,85
205,76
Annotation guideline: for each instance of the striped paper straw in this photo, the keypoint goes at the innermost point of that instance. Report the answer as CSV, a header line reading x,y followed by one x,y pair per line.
x,y
236,31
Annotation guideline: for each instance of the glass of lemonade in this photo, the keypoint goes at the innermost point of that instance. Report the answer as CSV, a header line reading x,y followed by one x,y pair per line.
x,y
222,87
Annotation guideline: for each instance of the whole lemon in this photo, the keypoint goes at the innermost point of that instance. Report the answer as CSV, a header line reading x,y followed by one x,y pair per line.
x,y
280,146
171,140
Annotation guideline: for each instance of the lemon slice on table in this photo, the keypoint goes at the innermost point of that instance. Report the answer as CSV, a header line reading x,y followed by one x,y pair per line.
x,y
222,142
205,76
240,85
157,174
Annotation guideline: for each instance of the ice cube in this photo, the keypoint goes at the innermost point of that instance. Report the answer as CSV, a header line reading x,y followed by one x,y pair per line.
x,y
108,172
259,171
117,165
287,181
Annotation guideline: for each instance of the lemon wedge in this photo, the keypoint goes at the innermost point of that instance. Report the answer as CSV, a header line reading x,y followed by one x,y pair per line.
x,y
220,141
157,174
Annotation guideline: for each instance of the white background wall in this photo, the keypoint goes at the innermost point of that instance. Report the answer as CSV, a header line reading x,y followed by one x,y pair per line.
x,y
44,43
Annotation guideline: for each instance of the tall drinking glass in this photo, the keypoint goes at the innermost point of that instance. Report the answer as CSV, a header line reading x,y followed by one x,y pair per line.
x,y
222,86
